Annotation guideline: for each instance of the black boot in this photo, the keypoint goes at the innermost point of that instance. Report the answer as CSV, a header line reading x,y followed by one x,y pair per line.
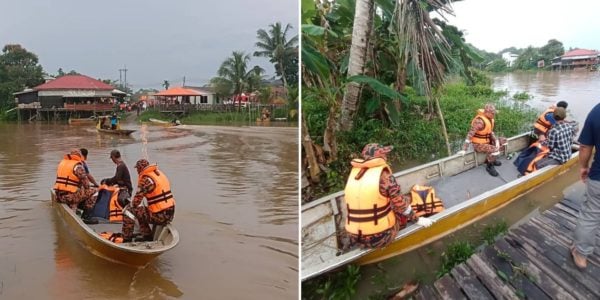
x,y
490,169
497,163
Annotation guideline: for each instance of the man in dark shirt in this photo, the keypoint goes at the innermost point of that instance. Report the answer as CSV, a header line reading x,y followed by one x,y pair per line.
x,y
121,178
588,220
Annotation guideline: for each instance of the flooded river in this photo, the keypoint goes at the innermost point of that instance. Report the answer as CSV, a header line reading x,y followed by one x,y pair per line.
x,y
237,214
581,89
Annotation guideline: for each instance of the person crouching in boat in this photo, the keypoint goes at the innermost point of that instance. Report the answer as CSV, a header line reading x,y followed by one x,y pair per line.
x,y
546,120
482,136
72,185
377,210
154,185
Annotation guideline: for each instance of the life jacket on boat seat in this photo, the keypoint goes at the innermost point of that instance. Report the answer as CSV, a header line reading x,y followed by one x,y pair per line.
x,y
161,197
115,210
116,237
483,136
542,124
369,212
424,201
66,180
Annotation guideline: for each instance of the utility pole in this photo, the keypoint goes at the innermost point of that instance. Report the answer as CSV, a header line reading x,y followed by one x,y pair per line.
x,y
183,80
120,78
123,84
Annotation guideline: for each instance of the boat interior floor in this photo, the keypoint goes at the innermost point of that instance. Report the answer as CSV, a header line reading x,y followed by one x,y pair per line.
x,y
116,227
456,189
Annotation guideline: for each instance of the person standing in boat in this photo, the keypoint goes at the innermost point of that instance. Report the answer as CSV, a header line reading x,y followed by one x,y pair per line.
x,y
588,220
72,185
121,178
481,135
546,120
114,121
559,139
377,210
154,185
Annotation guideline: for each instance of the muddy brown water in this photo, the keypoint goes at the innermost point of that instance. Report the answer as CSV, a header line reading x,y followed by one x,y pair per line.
x,y
237,214
581,89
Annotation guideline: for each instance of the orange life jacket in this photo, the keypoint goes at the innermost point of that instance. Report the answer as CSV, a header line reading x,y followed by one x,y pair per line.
x,y
369,212
542,124
544,150
483,136
160,198
66,180
424,201
115,211
116,237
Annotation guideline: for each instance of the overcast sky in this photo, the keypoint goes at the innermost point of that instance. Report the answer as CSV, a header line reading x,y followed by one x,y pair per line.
x,y
493,25
156,40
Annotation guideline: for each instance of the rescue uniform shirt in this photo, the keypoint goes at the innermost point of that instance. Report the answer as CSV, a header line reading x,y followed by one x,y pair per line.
x,y
388,187
145,186
590,136
560,139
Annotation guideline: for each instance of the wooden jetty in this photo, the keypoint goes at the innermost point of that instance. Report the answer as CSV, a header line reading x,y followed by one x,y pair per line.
x,y
533,261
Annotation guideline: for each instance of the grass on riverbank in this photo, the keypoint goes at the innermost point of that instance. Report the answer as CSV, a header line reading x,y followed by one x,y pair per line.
x,y
214,118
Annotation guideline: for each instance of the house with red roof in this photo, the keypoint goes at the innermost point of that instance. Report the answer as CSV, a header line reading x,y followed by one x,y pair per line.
x,y
577,58
69,93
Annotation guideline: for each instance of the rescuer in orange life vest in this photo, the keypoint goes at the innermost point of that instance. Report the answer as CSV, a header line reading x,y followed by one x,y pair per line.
x,y
481,135
547,120
376,207
154,185
72,185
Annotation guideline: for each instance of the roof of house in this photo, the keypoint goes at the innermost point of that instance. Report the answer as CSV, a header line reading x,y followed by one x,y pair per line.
x,y
178,91
206,90
580,52
74,82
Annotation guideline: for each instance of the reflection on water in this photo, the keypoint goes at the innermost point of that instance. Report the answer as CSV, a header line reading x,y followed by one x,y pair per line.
x,y
236,192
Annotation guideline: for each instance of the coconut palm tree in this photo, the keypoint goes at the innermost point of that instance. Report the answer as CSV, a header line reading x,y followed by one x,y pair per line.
x,y
274,45
234,71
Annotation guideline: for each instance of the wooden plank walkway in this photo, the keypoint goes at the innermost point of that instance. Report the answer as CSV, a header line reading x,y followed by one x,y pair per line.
x,y
533,261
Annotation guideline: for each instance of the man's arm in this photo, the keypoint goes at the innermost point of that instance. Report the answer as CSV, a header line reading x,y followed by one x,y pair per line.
x,y
145,186
388,186
476,126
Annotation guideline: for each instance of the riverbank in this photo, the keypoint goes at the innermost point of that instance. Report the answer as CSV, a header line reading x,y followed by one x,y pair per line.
x,y
235,118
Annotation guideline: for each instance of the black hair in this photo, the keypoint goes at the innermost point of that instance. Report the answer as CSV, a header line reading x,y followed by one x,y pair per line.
x,y
562,104
84,152
115,154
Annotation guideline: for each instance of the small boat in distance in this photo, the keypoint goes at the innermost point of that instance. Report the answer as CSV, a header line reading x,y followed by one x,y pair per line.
x,y
163,123
462,184
133,253
103,124
82,121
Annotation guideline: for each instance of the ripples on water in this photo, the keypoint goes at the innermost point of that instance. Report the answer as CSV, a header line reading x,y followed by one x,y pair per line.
x,y
236,192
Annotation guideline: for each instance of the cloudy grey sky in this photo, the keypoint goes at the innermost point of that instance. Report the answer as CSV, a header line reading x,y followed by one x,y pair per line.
x,y
494,25
156,40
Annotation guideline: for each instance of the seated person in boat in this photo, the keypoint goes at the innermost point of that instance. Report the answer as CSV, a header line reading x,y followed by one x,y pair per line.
x,y
176,122
104,123
84,152
546,120
482,136
559,140
265,114
122,177
377,210
154,185
72,185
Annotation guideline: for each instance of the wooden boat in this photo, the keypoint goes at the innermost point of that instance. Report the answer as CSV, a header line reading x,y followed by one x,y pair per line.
x,y
160,122
134,253
461,182
83,121
106,119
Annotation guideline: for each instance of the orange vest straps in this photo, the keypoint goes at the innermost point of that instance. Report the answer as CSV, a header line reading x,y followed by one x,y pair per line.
x,y
376,213
164,196
67,181
424,201
483,136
